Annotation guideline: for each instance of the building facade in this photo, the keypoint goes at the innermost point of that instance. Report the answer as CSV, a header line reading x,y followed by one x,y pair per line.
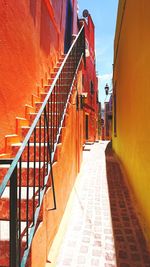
x,y
48,109
90,83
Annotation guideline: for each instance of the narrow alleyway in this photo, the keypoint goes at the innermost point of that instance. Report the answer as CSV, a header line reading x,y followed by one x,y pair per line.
x,y
92,235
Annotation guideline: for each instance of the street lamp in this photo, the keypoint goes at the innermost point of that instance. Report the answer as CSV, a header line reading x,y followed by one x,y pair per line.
x,y
106,89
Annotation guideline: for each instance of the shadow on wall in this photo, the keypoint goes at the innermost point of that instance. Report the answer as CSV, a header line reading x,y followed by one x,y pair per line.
x,y
33,9
45,34
68,27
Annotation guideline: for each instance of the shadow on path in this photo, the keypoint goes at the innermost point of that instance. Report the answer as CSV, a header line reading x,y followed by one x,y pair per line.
x,y
130,244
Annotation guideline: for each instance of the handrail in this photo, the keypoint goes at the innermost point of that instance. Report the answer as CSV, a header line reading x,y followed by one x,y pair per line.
x,y
19,153
38,149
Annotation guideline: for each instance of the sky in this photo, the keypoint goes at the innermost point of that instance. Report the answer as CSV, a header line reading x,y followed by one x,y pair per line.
x,y
103,13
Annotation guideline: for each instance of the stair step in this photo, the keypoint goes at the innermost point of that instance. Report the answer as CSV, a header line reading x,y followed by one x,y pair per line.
x,y
4,254
61,59
5,244
39,172
5,156
62,89
66,68
52,130
4,229
64,74
65,80
5,202
53,104
52,121
9,139
38,154
43,96
28,109
61,94
35,99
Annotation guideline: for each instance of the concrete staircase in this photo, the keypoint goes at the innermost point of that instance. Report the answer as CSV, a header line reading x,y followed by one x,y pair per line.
x,y
31,177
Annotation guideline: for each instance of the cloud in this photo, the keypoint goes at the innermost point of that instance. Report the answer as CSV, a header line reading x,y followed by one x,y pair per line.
x,y
105,77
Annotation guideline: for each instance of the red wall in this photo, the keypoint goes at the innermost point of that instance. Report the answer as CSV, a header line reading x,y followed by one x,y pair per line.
x,y
91,106
31,40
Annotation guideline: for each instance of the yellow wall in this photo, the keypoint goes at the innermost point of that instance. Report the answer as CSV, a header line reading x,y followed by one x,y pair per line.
x,y
132,83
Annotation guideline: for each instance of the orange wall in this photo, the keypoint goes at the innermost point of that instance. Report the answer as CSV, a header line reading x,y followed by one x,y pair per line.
x,y
65,171
31,40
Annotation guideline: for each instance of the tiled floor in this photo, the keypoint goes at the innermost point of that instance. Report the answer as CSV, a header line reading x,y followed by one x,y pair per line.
x,y
88,240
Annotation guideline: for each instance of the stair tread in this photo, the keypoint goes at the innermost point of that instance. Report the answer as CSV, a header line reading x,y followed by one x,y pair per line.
x,y
37,127
24,165
4,229
31,144
35,113
50,102
23,192
64,72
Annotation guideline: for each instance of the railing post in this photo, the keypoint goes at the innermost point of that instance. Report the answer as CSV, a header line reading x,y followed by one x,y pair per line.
x,y
13,220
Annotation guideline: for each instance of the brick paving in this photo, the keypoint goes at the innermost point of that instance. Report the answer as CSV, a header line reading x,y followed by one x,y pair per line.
x,y
89,238
103,229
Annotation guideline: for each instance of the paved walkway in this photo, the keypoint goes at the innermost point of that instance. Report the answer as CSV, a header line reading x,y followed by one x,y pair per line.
x,y
88,239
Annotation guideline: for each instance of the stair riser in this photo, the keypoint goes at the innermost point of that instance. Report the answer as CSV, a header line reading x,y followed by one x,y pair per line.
x,y
42,137
70,64
66,74
52,106
64,80
52,121
39,154
58,97
4,208
66,68
4,254
3,172
38,173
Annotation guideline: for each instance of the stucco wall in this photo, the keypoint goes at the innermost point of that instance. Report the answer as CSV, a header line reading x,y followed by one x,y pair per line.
x,y
31,40
65,171
132,85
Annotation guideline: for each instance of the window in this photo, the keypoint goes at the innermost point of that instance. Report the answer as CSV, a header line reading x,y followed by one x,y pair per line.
x,y
92,87
83,80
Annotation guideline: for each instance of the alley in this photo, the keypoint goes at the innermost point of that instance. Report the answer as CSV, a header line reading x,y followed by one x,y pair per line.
x,y
91,237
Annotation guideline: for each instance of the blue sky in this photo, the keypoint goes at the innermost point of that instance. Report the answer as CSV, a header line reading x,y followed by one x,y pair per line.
x,y
104,14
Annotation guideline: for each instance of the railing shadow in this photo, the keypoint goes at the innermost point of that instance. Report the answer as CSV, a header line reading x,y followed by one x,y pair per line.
x,y
130,243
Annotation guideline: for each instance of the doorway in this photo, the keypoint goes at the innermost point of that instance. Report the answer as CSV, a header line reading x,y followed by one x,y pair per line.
x,y
86,127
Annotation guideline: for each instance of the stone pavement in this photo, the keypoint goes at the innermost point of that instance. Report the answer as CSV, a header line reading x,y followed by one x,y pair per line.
x,y
94,235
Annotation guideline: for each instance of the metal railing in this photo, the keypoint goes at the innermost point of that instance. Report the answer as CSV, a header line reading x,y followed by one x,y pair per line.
x,y
30,172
